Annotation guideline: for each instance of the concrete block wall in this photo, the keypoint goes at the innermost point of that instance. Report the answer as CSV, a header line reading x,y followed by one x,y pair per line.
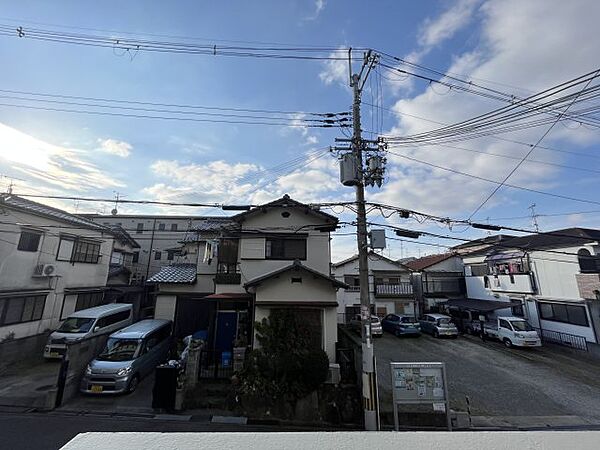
x,y
24,350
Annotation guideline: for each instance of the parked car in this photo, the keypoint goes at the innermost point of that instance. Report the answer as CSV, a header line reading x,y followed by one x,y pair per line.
x,y
130,354
438,325
512,331
86,323
376,330
401,325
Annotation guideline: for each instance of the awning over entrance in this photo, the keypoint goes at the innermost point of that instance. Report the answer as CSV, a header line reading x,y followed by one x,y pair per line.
x,y
479,305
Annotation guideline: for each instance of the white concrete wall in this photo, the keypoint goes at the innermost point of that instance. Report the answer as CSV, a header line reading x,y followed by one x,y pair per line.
x,y
163,240
281,289
165,307
17,267
318,254
350,297
555,273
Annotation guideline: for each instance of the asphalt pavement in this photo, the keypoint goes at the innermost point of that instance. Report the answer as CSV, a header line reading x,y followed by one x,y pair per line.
x,y
500,382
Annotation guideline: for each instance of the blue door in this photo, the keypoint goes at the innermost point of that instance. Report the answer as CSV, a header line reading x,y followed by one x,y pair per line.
x,y
226,329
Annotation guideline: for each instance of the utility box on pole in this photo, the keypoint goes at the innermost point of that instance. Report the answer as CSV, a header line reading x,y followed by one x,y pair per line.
x,y
349,172
377,239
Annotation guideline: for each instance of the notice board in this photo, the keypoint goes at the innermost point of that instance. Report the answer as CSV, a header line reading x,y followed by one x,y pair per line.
x,y
420,383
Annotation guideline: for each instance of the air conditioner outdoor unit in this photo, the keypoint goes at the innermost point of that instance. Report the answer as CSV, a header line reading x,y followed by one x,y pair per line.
x,y
44,270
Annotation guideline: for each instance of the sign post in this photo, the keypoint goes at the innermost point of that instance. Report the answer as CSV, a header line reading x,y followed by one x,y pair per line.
x,y
417,383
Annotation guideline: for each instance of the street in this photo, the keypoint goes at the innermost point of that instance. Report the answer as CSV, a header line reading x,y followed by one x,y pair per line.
x,y
498,381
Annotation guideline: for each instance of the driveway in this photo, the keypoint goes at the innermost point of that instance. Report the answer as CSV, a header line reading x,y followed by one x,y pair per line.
x,y
27,385
498,381
139,401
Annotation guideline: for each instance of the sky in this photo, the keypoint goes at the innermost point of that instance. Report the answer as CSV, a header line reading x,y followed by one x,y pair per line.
x,y
513,46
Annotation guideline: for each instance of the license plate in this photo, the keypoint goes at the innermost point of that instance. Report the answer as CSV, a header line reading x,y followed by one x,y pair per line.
x,y
54,354
96,388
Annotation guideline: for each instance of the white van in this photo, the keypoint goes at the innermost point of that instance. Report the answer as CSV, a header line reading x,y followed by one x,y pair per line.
x,y
82,324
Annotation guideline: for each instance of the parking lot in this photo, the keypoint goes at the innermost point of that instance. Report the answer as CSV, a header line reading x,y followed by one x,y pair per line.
x,y
500,382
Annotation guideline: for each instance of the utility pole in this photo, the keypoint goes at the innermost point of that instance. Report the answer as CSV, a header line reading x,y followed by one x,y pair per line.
x,y
353,172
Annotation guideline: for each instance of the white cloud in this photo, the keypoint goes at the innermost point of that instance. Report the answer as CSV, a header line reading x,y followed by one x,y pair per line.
x,y
115,147
509,52
51,164
319,6
435,31
335,70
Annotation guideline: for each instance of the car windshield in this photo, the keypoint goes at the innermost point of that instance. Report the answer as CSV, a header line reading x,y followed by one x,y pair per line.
x,y
445,322
521,325
76,325
119,350
374,319
406,320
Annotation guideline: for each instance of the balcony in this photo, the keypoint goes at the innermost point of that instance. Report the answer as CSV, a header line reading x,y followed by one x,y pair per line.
x,y
439,287
518,283
402,289
228,278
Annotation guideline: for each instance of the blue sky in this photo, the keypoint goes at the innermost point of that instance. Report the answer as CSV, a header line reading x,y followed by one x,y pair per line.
x,y
517,47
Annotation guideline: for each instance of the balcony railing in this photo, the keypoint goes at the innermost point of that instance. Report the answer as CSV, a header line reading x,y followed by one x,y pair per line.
x,y
228,278
401,289
442,287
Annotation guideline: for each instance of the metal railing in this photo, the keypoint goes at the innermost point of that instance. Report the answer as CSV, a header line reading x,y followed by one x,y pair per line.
x,y
441,286
393,290
566,339
228,278
215,364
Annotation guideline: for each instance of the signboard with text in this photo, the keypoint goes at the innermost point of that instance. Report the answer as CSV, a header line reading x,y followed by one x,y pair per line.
x,y
419,383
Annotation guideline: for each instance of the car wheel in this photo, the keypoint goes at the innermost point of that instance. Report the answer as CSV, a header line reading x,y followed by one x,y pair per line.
x,y
507,343
470,331
133,384
436,334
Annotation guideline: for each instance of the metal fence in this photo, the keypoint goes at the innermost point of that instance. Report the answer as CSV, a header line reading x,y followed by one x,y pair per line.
x,y
215,364
566,339
393,290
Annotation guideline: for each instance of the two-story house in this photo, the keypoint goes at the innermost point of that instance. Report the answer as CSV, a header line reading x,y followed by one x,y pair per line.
x,y
235,271
51,264
550,278
390,288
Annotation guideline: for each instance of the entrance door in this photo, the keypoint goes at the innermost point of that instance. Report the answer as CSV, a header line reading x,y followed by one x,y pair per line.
x,y
226,329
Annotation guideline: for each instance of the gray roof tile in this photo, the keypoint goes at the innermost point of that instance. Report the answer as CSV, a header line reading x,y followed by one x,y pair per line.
x,y
176,273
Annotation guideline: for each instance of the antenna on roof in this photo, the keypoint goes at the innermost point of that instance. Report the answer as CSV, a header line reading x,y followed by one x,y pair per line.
x,y
534,217
115,211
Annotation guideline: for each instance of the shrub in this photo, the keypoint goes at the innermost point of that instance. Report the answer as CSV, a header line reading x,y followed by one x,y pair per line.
x,y
285,367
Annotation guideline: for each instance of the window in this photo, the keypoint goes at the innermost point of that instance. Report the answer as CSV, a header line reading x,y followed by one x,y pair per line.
x,y
87,300
86,252
140,228
478,270
157,255
517,311
505,324
161,227
173,227
21,309
560,312
136,257
587,262
112,319
352,280
281,248
170,255
29,241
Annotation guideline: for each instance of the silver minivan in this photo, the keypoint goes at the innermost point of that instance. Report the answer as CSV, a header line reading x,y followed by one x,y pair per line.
x,y
129,355
86,323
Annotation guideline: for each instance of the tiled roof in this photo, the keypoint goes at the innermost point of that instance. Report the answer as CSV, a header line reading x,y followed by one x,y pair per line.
x,y
554,239
427,261
371,255
22,204
123,236
208,225
286,201
296,266
176,273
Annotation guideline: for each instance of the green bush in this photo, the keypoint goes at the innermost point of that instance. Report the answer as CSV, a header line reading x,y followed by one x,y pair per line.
x,y
286,366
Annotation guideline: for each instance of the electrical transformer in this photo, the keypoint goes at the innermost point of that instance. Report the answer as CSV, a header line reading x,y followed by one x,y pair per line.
x,y
349,175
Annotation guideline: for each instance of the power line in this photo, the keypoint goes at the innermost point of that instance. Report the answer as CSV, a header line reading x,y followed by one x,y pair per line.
x,y
532,149
514,186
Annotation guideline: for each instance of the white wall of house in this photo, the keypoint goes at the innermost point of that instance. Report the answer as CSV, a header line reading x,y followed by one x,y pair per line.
x,y
17,268
163,238
454,264
378,267
555,278
253,262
